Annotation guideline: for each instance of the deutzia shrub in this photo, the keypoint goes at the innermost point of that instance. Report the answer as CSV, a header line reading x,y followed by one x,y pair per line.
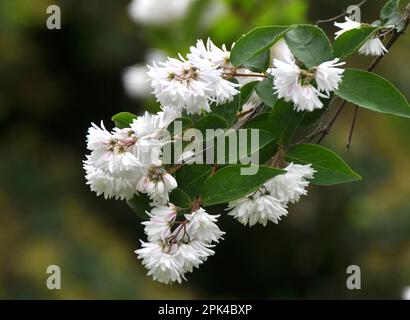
x,y
270,102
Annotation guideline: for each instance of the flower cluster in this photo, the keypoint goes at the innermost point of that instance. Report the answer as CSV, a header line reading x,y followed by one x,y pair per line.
x,y
194,82
176,247
295,84
269,203
125,161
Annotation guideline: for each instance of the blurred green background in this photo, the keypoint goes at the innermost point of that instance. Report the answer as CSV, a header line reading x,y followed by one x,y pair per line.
x,y
54,83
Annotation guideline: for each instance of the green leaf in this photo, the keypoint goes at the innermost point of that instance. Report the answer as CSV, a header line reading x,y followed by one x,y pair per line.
x,y
255,42
351,41
123,119
191,178
268,149
185,123
331,169
309,44
140,204
228,110
389,9
372,92
228,184
210,121
258,63
179,198
247,90
283,122
264,89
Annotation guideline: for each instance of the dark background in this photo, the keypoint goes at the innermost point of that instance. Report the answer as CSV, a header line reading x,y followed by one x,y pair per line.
x,y
54,83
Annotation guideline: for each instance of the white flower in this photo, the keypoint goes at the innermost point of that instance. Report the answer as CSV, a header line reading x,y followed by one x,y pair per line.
x,y
157,184
372,47
194,83
161,264
242,208
119,159
111,168
158,12
257,208
98,138
287,79
202,226
290,186
180,84
328,76
218,56
192,254
135,81
306,98
110,185
346,26
281,51
161,219
289,86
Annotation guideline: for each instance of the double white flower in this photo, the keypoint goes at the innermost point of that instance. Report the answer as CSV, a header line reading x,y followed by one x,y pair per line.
x,y
294,84
193,83
121,158
270,202
175,248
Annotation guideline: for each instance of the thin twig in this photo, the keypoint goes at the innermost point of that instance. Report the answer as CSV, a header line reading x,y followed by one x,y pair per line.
x,y
329,126
340,15
349,142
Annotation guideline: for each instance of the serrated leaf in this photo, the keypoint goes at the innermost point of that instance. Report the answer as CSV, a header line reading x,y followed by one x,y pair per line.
x,y
140,204
123,119
228,184
191,178
370,91
352,40
255,42
265,91
309,44
331,169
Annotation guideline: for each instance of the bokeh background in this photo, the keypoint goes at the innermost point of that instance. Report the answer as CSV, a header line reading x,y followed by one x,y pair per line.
x,y
54,83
